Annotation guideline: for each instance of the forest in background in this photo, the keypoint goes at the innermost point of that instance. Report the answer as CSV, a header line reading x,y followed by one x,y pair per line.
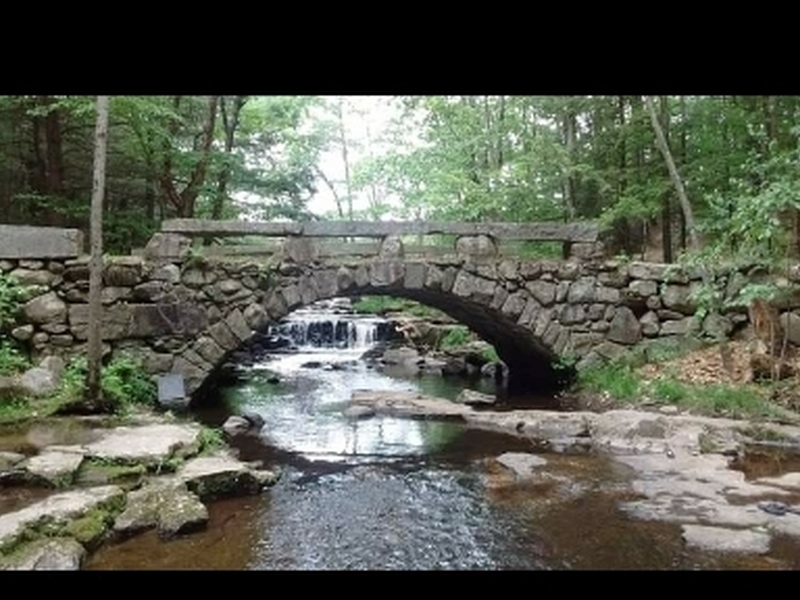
x,y
466,158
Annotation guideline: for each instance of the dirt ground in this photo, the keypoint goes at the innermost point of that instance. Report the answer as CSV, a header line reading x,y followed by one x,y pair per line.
x,y
728,363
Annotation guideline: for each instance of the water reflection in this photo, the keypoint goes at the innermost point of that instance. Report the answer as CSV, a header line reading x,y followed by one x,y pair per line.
x,y
304,411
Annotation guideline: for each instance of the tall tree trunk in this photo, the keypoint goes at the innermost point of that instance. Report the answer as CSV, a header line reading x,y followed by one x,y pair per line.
x,y
192,190
501,117
95,348
666,209
55,162
621,158
569,138
663,147
684,161
184,201
230,124
37,166
345,158
374,204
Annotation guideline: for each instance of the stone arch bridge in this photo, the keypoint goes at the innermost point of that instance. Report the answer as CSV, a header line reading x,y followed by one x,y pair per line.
x,y
183,307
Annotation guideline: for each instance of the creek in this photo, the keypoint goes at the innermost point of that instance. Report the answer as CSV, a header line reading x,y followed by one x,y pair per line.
x,y
389,493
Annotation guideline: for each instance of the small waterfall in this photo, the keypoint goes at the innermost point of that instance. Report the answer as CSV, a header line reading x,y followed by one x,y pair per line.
x,y
330,324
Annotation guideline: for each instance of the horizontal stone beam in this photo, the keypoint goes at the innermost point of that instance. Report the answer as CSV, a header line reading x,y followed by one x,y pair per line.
x,y
565,232
24,241
325,250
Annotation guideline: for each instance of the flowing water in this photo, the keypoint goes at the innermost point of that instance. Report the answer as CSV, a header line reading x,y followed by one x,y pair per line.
x,y
387,493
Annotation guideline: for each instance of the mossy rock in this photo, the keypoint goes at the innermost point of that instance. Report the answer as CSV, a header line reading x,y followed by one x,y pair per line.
x,y
66,522
90,529
98,472
51,554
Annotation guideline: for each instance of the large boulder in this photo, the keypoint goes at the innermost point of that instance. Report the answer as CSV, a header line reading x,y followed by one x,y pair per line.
x,y
47,308
56,554
473,247
38,382
55,467
56,512
256,420
163,503
625,327
235,425
222,475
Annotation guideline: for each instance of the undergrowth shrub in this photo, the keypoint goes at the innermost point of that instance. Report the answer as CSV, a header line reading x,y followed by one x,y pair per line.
x,y
123,382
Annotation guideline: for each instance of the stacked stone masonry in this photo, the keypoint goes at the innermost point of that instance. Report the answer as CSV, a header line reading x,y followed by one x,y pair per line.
x,y
184,314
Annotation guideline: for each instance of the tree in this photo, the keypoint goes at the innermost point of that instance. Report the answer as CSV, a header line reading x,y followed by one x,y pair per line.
x,y
686,207
230,123
183,200
95,347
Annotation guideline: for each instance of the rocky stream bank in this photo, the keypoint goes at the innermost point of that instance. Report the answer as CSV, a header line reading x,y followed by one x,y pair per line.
x,y
732,485
107,483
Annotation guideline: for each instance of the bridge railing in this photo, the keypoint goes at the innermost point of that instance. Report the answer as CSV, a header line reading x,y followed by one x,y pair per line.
x,y
364,238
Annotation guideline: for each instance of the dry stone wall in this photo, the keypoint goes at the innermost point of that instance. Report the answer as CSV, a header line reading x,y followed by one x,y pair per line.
x,y
184,314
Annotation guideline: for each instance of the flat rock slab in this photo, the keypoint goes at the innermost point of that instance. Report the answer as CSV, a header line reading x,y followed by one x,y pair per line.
x,y
222,475
521,463
476,398
25,241
164,503
58,508
680,462
407,404
726,540
540,425
57,554
54,467
149,443
788,481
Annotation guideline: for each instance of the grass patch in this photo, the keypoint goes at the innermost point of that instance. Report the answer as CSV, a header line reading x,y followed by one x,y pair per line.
x,y
616,379
12,359
456,336
380,305
621,382
730,401
490,355
211,440
125,385
667,389
19,409
14,410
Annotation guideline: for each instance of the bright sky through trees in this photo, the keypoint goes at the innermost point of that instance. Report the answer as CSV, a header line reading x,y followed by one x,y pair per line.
x,y
367,121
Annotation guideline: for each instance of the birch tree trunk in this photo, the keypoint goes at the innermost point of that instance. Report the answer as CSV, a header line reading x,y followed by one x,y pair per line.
x,y
663,147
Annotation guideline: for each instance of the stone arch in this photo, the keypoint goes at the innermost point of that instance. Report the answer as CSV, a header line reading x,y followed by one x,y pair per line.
x,y
506,319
